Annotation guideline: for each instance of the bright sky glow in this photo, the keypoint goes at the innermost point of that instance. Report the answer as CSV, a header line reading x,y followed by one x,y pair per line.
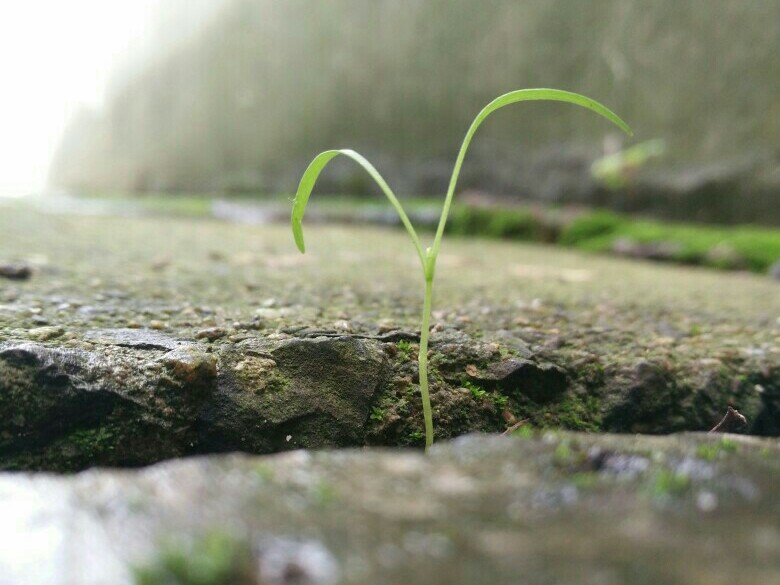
x,y
55,56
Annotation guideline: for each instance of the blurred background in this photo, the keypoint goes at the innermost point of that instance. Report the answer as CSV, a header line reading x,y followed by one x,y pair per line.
x,y
222,103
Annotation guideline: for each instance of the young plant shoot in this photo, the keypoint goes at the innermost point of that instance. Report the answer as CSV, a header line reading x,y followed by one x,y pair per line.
x,y
429,255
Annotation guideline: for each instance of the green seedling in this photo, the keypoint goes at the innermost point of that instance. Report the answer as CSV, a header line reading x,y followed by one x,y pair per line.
x,y
429,255
616,170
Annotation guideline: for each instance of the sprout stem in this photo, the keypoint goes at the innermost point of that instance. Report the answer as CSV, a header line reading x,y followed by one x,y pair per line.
x,y
422,360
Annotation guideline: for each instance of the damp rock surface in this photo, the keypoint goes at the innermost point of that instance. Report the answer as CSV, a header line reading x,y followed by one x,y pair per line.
x,y
134,397
550,508
138,339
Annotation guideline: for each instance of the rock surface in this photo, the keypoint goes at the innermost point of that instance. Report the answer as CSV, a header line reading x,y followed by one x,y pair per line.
x,y
555,508
184,337
15,271
138,396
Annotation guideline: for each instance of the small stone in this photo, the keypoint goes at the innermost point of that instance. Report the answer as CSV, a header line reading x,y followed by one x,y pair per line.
x,y
282,560
136,338
724,256
211,333
45,333
540,381
386,326
190,366
706,501
774,270
156,325
15,271
159,264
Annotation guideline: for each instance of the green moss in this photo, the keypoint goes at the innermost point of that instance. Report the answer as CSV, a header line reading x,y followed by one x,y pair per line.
x,y
261,375
562,453
712,451
585,479
212,560
264,471
476,391
574,413
591,374
525,431
738,247
93,443
416,437
669,483
496,222
500,401
324,493
405,349
589,226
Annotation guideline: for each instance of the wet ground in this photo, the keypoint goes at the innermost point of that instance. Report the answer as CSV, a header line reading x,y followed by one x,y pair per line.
x,y
242,325
181,274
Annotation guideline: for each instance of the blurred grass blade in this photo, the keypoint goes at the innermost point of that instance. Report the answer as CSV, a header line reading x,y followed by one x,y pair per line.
x,y
512,97
556,95
309,179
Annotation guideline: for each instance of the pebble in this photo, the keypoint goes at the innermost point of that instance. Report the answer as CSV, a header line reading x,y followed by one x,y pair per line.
x,y
46,333
211,333
15,271
386,326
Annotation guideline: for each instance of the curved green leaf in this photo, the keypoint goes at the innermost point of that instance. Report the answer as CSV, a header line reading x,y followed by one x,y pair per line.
x,y
512,97
309,178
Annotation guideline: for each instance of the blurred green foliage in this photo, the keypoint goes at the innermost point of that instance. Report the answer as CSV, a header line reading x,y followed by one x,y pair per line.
x,y
214,559
742,247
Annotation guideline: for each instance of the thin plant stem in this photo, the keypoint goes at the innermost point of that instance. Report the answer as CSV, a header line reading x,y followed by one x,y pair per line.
x,y
422,361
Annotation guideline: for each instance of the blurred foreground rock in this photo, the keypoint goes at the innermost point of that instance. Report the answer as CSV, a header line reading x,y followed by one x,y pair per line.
x,y
557,508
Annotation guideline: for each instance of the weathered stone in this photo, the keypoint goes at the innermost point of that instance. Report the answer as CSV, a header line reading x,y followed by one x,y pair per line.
x,y
276,395
558,508
211,333
655,397
133,337
46,333
66,409
539,381
191,366
709,349
116,405
774,270
129,402
453,351
15,271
